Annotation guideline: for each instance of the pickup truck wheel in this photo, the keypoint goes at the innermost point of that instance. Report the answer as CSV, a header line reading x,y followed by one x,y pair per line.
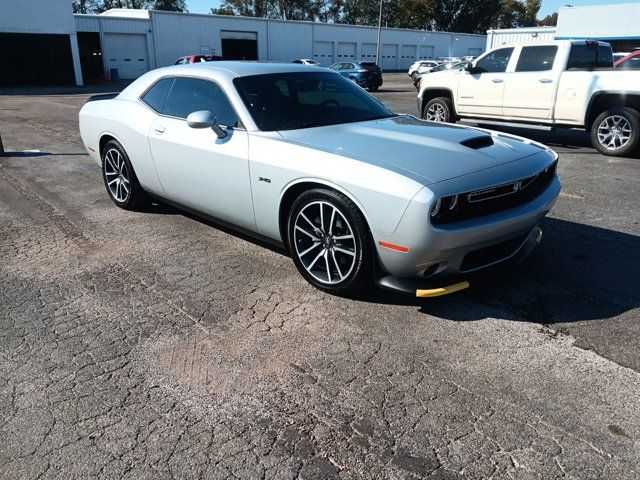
x,y
616,132
438,110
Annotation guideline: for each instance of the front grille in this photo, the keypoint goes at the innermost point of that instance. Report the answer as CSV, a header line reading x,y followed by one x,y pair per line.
x,y
489,255
495,199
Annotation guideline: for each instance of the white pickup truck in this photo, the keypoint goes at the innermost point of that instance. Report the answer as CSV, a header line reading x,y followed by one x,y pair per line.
x,y
561,84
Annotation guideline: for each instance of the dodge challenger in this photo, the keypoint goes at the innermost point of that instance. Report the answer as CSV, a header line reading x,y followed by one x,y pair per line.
x,y
303,157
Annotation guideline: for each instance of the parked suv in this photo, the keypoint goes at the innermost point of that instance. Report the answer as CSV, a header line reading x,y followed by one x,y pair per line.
x,y
366,74
420,67
561,84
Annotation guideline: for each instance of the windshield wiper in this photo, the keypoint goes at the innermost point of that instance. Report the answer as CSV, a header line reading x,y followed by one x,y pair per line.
x,y
302,125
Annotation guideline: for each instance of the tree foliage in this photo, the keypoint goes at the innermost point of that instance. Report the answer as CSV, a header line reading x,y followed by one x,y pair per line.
x,y
472,16
99,6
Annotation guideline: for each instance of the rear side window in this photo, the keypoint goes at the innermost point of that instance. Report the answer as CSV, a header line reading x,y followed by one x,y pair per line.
x,y
190,95
495,62
156,96
590,56
536,59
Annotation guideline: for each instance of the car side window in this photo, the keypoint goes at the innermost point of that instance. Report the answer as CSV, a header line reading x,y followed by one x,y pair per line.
x,y
536,58
156,96
190,95
335,66
495,62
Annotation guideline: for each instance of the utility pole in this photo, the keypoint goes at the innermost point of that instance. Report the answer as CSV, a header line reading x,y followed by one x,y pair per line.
x,y
379,32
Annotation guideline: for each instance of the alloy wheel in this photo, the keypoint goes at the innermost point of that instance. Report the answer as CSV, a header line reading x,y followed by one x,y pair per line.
x,y
614,132
117,175
325,243
436,113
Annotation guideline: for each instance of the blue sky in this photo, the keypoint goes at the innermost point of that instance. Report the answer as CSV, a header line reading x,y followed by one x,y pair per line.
x,y
548,6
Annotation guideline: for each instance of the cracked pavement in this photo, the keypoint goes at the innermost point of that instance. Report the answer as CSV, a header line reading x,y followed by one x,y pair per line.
x,y
156,345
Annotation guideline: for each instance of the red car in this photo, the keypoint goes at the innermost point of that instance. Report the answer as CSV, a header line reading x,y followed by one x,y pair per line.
x,y
630,62
197,58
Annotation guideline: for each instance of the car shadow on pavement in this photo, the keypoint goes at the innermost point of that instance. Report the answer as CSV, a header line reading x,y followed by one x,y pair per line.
x,y
578,273
162,208
37,153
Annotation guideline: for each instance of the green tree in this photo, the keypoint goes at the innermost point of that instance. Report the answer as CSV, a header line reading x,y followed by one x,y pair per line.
x,y
550,20
169,5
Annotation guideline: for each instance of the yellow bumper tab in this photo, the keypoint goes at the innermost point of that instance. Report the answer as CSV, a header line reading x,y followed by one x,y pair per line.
x,y
437,292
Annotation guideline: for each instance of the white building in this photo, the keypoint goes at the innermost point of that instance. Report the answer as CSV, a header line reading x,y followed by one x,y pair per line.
x,y
618,24
135,41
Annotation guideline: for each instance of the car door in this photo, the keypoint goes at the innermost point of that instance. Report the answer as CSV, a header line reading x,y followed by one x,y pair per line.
x,y
480,91
529,91
195,167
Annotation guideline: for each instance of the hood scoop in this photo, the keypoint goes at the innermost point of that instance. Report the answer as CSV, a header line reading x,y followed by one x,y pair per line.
x,y
477,143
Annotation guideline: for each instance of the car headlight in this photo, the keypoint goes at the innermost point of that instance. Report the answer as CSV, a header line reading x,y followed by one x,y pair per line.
x,y
443,205
435,208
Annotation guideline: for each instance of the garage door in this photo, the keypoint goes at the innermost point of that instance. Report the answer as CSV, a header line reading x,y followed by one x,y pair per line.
x,y
127,52
323,53
35,59
389,56
346,52
426,51
407,56
239,45
369,52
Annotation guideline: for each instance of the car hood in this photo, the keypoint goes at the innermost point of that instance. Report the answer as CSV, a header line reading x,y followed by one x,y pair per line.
x,y
427,152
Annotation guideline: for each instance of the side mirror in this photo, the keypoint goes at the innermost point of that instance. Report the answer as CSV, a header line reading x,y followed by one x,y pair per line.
x,y
205,119
471,69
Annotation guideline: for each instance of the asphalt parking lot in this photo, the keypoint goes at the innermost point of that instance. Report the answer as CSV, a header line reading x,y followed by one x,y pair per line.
x,y
156,345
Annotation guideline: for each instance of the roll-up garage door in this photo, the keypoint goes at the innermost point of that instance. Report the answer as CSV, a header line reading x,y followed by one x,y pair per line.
x,y
389,56
426,51
127,52
323,53
368,52
346,52
407,56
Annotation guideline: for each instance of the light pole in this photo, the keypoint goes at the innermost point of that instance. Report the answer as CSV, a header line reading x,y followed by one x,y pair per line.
x,y
379,32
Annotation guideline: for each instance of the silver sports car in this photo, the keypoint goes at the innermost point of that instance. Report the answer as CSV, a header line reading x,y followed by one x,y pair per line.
x,y
302,156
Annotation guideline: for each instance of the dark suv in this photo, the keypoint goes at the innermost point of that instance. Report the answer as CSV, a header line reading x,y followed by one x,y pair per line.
x,y
366,74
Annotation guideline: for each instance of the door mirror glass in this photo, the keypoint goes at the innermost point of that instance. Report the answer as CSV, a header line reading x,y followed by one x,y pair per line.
x,y
205,119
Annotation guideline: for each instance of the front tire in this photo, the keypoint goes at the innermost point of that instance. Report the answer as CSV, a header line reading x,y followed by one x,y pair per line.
x,y
616,132
329,241
438,109
119,178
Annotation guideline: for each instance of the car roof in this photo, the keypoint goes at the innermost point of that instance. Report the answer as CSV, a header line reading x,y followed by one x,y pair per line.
x,y
222,71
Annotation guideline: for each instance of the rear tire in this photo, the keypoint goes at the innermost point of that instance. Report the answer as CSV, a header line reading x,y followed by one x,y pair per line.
x,y
616,131
120,179
438,109
329,242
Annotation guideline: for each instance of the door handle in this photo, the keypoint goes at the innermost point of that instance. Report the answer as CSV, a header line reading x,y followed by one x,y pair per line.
x,y
545,80
497,80
159,128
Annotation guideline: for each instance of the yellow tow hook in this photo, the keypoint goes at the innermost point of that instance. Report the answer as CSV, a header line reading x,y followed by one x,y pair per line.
x,y
438,292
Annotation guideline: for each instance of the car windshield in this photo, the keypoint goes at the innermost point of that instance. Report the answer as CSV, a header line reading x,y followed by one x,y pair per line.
x,y
288,101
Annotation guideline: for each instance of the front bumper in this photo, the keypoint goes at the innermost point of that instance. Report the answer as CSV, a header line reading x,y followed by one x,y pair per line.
x,y
443,254
494,267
